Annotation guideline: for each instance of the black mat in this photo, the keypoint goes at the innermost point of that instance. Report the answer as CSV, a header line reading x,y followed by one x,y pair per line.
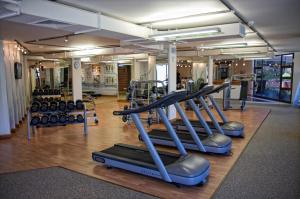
x,y
57,182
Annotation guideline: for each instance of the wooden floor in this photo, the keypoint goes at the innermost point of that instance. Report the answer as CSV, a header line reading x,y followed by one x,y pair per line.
x,y
68,147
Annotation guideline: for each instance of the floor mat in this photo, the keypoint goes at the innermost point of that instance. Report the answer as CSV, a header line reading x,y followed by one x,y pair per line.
x,y
58,182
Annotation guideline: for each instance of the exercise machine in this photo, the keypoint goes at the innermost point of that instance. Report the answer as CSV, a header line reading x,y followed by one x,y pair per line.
x,y
230,128
186,169
244,79
208,142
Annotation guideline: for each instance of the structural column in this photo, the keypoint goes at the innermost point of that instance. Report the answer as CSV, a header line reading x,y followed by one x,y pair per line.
x,y
152,67
76,79
210,70
172,75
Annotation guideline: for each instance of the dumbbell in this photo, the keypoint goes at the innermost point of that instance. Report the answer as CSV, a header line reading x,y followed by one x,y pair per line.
x,y
56,92
35,92
44,119
79,105
44,106
51,99
53,119
79,118
62,118
35,107
70,105
35,120
51,92
45,92
62,105
53,106
46,99
40,92
71,118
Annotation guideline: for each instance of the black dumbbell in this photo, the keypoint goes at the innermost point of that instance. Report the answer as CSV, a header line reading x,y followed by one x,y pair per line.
x,y
44,119
80,118
35,120
46,99
51,99
71,118
40,92
70,105
62,106
53,119
45,92
35,106
53,106
62,118
51,92
35,92
44,106
56,92
79,105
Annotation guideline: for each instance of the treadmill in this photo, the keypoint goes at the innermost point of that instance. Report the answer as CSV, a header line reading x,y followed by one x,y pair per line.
x,y
209,142
183,168
230,128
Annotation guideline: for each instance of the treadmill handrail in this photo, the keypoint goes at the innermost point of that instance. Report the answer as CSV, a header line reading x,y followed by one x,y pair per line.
x,y
219,88
167,100
203,91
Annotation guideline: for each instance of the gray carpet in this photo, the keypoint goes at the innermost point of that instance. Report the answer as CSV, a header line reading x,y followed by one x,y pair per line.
x,y
60,183
270,165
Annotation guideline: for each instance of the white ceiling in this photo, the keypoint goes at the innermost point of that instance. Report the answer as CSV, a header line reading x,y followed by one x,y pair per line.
x,y
277,20
143,11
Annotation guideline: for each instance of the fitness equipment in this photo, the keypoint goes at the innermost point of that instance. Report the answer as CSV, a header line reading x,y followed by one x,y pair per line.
x,y
51,99
45,92
56,92
53,106
51,92
35,120
230,128
53,119
70,105
62,118
62,105
80,118
244,79
71,118
35,106
46,99
179,169
44,119
35,92
207,142
79,105
44,106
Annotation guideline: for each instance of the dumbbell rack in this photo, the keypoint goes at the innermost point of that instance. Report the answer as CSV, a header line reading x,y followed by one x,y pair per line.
x,y
31,127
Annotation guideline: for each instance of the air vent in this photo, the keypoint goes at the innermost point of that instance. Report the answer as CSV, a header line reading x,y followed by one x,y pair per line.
x,y
51,24
8,10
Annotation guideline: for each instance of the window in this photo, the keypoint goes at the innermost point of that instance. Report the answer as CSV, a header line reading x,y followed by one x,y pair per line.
x,y
274,78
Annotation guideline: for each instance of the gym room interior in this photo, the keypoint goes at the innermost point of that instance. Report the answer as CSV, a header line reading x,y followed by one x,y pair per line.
x,y
149,99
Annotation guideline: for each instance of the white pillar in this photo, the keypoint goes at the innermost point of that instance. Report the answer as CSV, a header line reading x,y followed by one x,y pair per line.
x,y
172,75
210,70
76,79
136,72
4,112
152,67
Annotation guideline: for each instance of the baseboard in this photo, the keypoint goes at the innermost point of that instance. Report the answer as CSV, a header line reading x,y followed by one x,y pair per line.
x,y
5,136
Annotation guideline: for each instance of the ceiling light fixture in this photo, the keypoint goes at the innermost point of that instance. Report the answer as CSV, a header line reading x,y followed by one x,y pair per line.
x,y
66,39
191,33
240,53
230,45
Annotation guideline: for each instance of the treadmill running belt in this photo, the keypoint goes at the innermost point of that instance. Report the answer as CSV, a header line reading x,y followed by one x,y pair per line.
x,y
196,123
138,155
183,136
